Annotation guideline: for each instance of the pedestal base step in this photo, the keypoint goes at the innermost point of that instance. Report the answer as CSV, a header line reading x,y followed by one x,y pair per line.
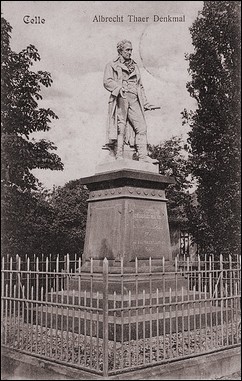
x,y
132,325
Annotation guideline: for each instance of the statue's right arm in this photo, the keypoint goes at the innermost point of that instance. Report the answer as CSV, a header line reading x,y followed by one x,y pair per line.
x,y
109,82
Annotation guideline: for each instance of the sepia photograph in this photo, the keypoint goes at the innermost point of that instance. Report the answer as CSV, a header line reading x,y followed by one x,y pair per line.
x,y
120,184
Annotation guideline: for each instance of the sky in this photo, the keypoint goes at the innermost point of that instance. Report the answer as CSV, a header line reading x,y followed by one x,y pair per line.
x,y
75,48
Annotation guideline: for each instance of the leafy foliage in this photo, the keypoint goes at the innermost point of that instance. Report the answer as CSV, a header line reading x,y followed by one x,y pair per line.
x,y
45,222
173,162
22,209
20,115
26,227
69,204
215,126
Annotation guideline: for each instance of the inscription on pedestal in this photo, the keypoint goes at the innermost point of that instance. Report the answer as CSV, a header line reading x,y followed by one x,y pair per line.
x,y
148,232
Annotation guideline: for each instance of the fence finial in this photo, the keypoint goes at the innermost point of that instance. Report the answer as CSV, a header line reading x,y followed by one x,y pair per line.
x,y
136,265
122,265
105,265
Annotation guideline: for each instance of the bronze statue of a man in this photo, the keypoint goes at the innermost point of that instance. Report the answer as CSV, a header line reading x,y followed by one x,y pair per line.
x,y
127,104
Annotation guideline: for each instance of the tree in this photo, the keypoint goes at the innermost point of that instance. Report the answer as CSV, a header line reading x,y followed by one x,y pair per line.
x,y
48,222
69,205
173,162
215,126
21,116
27,223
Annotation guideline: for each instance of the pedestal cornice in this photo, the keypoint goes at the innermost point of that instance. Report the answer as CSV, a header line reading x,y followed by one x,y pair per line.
x,y
127,177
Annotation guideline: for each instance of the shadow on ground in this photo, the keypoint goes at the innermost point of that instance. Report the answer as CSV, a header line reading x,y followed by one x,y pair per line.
x,y
15,370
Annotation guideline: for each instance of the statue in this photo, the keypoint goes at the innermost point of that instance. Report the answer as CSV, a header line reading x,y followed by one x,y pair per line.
x,y
127,104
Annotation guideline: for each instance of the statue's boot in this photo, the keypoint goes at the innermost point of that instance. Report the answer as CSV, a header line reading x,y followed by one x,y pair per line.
x,y
143,154
120,147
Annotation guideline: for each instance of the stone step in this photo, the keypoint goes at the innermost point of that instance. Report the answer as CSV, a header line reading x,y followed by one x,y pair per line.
x,y
128,283
131,324
83,298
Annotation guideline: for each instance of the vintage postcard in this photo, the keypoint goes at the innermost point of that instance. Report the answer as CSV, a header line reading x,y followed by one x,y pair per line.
x,y
98,278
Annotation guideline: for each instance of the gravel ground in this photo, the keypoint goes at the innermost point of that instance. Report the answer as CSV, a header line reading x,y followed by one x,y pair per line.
x,y
80,350
234,376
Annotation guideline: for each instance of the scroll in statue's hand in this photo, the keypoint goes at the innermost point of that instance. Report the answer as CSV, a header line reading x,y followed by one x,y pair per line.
x,y
151,107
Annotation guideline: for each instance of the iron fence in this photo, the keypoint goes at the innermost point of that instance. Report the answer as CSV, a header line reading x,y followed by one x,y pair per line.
x,y
120,318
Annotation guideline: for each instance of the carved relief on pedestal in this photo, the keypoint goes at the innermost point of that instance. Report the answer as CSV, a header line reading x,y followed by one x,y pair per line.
x,y
127,191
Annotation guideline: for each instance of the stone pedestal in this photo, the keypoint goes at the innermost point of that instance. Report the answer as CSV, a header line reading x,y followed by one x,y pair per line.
x,y
127,217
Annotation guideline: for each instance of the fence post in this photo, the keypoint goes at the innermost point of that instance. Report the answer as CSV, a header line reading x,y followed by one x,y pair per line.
x,y
105,317
222,275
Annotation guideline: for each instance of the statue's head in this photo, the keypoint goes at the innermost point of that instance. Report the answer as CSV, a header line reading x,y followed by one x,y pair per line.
x,y
124,48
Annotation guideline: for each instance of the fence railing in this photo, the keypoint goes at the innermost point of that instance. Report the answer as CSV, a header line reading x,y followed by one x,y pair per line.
x,y
119,318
